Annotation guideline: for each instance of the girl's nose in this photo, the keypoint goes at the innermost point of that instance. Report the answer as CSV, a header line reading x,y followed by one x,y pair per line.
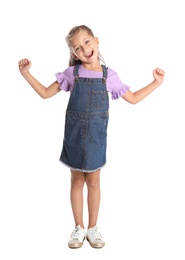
x,y
84,50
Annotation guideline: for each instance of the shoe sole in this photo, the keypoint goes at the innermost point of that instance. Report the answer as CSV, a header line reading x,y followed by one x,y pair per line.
x,y
95,245
75,246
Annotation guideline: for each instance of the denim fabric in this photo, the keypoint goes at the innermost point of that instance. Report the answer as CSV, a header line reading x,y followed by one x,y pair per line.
x,y
85,135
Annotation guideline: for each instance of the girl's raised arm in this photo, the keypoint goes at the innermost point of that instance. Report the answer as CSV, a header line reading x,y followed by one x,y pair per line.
x,y
135,97
44,92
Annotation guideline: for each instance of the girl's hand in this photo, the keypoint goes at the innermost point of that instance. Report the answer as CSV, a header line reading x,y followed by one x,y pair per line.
x,y
24,65
158,75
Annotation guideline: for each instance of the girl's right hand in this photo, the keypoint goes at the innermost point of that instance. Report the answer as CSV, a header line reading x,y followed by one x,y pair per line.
x,y
24,65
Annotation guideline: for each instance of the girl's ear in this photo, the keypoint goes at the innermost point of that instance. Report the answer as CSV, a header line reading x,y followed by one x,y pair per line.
x,y
96,40
74,56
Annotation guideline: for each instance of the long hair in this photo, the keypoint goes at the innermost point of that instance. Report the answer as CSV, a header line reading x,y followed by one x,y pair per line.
x,y
71,33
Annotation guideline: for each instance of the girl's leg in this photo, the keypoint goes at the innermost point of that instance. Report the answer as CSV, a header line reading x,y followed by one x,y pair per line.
x,y
93,188
76,195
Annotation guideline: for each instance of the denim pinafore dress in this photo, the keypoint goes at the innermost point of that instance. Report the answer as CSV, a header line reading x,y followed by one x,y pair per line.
x,y
85,133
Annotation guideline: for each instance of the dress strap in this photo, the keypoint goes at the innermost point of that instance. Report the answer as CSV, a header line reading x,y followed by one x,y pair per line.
x,y
104,73
76,73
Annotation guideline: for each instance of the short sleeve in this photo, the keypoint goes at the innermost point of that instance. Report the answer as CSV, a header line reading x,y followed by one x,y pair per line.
x,y
115,86
62,81
65,79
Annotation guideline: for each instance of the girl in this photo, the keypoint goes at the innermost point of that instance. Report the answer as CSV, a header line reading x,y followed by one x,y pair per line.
x,y
85,136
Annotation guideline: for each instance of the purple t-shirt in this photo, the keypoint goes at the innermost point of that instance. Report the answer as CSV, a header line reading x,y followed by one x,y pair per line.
x,y
113,83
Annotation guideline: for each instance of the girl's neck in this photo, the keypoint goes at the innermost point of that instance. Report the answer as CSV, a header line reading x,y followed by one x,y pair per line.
x,y
92,66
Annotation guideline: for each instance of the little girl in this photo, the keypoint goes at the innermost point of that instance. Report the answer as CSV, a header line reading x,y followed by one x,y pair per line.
x,y
87,115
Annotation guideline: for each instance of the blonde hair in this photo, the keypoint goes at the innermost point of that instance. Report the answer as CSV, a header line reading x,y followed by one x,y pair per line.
x,y
71,33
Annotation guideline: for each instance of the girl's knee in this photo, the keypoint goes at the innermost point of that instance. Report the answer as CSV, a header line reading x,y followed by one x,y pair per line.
x,y
93,180
77,178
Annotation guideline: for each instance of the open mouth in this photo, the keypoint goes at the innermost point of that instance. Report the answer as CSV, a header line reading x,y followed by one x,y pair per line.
x,y
89,55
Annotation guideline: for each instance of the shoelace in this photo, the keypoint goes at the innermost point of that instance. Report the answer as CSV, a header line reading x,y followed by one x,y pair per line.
x,y
96,234
75,233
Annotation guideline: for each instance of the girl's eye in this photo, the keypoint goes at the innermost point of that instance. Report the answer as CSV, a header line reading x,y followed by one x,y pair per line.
x,y
87,42
77,49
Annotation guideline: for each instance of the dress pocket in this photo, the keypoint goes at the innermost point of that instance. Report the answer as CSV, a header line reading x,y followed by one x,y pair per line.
x,y
98,98
71,127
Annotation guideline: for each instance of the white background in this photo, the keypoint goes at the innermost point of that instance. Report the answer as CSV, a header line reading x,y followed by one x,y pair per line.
x,y
142,205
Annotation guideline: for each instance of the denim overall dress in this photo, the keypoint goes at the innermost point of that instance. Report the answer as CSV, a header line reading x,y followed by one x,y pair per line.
x,y
85,133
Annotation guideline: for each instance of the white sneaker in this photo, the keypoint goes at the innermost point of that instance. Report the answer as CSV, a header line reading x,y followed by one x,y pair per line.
x,y
94,237
77,237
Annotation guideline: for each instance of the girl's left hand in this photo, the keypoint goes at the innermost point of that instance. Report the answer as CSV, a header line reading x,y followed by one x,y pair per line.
x,y
158,75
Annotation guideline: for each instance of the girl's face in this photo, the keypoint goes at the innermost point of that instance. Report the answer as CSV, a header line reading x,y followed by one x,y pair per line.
x,y
84,47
